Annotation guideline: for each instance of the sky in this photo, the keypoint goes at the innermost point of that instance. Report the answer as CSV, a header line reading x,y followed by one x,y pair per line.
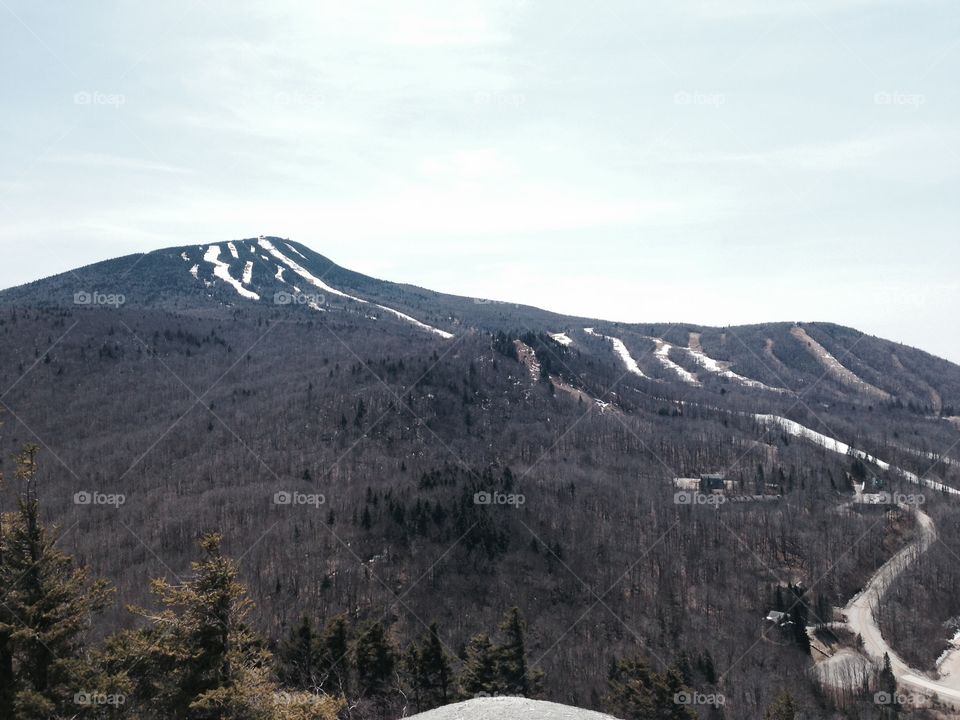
x,y
717,162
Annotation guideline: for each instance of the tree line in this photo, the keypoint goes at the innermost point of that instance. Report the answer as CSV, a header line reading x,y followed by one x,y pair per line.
x,y
195,655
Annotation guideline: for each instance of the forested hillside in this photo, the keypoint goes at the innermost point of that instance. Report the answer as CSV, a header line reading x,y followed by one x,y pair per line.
x,y
387,463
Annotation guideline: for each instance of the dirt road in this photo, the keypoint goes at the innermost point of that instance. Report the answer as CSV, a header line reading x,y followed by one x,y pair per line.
x,y
859,613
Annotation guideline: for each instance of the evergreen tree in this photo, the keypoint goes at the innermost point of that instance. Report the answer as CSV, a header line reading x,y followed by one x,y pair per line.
x,y
513,677
638,693
197,659
436,666
668,690
707,667
799,613
47,607
376,661
783,708
413,670
888,681
428,670
479,675
630,693
335,676
300,658
512,655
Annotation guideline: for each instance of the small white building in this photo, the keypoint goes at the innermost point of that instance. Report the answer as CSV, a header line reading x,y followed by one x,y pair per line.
x,y
780,619
691,484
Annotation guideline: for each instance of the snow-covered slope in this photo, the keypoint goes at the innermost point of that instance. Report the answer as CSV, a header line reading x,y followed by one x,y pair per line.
x,y
662,354
504,708
318,283
620,349
717,368
222,271
794,428
251,275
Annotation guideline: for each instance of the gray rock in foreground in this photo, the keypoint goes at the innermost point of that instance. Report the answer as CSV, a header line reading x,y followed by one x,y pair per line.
x,y
510,709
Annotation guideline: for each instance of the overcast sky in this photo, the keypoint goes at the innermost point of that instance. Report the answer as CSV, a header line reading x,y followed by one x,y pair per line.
x,y
710,161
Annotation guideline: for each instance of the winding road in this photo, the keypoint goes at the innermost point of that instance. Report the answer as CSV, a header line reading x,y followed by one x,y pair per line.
x,y
859,611
859,614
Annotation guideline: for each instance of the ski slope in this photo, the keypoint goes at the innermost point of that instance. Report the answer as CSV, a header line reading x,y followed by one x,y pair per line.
x,y
801,431
716,368
835,368
318,283
294,250
620,349
662,353
222,271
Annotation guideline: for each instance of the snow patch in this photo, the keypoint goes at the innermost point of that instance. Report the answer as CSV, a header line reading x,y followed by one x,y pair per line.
x,y
423,326
195,271
293,249
304,273
562,339
662,353
233,251
222,271
318,283
713,366
529,358
954,648
248,272
620,349
279,274
186,258
797,430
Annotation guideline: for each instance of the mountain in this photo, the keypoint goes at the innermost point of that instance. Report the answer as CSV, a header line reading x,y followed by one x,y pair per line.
x,y
389,452
254,274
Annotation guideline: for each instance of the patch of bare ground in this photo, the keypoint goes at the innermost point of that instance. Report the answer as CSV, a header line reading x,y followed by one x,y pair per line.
x,y
582,396
769,352
694,342
936,400
835,368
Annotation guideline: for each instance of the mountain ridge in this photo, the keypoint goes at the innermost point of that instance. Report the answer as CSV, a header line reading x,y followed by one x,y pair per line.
x,y
115,271
210,279
200,407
